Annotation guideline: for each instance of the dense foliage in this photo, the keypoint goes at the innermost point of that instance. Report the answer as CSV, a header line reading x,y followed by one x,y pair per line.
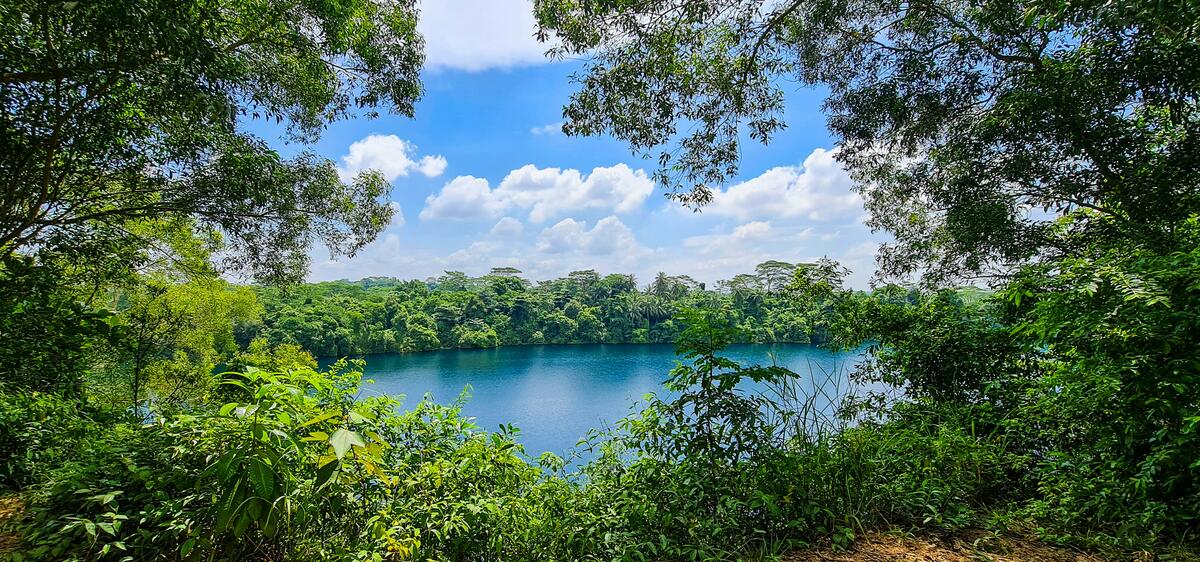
x,y
1048,147
120,110
380,315
290,465
151,411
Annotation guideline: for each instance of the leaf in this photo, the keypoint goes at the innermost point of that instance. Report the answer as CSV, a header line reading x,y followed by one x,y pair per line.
x,y
240,526
319,418
325,473
187,547
342,440
316,436
263,478
228,507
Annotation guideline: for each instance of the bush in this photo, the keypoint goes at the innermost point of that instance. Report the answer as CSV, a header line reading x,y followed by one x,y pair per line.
x,y
47,337
38,432
295,469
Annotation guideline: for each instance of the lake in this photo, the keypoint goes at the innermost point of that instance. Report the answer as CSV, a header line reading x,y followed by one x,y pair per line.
x,y
555,393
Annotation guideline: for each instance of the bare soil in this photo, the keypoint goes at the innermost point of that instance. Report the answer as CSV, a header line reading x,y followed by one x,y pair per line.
x,y
10,510
964,547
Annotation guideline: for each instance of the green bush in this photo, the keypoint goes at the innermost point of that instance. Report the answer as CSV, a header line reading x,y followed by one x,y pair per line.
x,y
295,469
38,432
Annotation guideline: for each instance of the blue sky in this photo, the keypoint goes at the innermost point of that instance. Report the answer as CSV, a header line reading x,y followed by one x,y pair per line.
x,y
482,176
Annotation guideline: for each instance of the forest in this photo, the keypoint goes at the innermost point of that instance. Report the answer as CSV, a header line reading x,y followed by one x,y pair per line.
x,y
1035,315
384,315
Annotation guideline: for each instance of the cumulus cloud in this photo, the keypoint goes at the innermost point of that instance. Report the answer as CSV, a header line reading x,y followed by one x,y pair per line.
x,y
390,155
463,197
608,236
551,129
432,166
819,190
507,227
751,230
743,242
475,35
546,192
726,251
608,245
552,191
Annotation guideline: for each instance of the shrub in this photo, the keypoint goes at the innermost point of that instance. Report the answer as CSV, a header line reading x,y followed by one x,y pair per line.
x,y
39,431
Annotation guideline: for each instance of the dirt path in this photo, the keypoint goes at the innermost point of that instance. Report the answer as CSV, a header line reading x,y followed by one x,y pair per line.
x,y
10,509
967,547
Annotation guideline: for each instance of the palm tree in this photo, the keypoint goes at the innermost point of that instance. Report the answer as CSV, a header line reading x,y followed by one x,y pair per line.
x,y
652,309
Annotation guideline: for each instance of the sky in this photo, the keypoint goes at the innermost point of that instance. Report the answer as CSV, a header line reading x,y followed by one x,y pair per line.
x,y
483,177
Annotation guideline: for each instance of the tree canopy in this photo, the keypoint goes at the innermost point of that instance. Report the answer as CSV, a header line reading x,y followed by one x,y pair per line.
x,y
454,310
1052,148
970,128
119,111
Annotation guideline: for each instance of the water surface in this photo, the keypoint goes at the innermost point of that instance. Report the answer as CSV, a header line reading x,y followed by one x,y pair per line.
x,y
555,393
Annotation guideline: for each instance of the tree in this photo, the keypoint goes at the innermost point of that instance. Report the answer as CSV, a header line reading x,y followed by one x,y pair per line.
x,y
1050,147
505,272
453,281
672,287
617,284
955,119
774,274
121,110
175,335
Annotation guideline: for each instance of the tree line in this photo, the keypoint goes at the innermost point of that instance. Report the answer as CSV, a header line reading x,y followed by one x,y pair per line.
x,y
383,315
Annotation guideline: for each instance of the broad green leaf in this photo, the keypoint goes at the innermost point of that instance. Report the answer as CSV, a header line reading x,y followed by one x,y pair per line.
x,y
342,440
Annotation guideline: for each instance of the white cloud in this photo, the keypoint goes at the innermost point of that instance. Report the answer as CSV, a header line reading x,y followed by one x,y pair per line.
x,y
507,227
391,254
742,242
546,192
727,251
819,190
546,222
480,255
609,245
550,129
475,35
751,230
432,166
390,155
552,191
607,237
738,250
397,215
462,198
863,250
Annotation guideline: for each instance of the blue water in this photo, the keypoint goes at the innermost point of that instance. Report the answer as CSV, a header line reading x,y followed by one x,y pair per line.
x,y
555,393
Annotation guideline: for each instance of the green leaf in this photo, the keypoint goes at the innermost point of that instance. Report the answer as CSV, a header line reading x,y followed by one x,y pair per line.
x,y
263,478
342,440
187,547
325,473
320,418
